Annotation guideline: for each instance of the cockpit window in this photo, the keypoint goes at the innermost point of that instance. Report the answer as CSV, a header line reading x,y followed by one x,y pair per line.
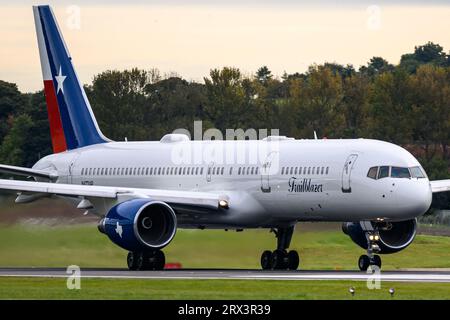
x,y
416,172
372,172
383,172
400,172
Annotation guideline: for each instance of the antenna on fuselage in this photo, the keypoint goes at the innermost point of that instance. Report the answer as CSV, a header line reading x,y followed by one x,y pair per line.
x,y
315,135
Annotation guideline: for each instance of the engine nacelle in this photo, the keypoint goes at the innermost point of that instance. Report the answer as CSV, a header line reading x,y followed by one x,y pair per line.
x,y
394,236
140,224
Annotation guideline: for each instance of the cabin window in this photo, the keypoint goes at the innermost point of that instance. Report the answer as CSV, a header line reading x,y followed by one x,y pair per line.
x,y
222,170
231,171
239,170
309,170
282,170
327,170
257,170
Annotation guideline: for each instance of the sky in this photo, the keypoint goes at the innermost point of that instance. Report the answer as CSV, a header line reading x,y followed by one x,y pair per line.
x,y
193,36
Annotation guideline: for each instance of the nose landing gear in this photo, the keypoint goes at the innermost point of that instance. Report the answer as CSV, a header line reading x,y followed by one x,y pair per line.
x,y
281,259
371,259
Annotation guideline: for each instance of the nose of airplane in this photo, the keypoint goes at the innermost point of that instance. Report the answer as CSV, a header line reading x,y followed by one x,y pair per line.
x,y
415,198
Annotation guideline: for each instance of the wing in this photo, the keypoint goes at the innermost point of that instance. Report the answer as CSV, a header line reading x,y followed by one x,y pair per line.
x,y
440,185
50,175
183,200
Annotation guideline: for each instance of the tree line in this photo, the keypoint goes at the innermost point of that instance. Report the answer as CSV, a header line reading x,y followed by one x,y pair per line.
x,y
407,104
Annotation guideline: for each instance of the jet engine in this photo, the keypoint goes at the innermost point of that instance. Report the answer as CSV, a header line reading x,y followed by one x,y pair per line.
x,y
392,236
140,224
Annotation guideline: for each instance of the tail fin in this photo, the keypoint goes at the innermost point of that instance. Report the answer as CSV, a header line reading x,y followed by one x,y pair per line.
x,y
72,122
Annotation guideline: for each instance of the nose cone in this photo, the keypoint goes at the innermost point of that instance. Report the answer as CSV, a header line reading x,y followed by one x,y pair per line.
x,y
415,198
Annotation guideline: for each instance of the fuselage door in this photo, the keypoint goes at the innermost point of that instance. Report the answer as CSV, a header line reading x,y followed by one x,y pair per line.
x,y
209,171
71,177
347,173
268,168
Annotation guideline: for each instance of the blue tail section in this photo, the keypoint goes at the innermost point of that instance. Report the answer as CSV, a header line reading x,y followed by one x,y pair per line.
x,y
79,125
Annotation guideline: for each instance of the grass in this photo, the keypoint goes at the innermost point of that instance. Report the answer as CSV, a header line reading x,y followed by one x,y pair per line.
x,y
83,245
55,288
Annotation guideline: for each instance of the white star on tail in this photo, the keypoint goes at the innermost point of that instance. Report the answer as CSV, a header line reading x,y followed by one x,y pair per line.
x,y
60,79
119,229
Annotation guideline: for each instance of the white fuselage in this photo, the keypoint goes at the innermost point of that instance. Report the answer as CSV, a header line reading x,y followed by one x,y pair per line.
x,y
292,180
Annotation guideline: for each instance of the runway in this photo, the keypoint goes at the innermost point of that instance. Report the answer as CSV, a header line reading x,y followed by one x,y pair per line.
x,y
234,274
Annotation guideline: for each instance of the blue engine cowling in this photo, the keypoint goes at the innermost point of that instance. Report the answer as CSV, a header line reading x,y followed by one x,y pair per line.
x,y
394,236
140,224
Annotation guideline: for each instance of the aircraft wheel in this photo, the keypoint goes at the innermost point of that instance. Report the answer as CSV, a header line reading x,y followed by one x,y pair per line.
x,y
293,260
363,262
153,260
278,260
266,259
159,260
132,261
377,261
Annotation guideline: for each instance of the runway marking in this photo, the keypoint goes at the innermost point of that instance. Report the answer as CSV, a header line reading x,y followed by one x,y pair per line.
x,y
431,276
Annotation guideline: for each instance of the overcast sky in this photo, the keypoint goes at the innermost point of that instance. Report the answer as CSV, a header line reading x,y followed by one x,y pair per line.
x,y
191,37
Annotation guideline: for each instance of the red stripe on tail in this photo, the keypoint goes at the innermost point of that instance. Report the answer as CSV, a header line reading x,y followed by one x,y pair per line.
x,y
54,117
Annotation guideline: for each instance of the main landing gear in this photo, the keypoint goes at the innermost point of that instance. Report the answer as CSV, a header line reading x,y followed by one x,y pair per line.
x,y
280,258
371,259
148,260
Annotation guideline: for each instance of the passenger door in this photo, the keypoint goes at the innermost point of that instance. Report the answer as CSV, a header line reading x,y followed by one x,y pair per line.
x,y
347,173
268,168
209,171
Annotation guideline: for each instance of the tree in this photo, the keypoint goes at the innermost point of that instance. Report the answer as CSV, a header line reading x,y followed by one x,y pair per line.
x,y
227,104
355,105
12,102
428,53
119,102
263,75
376,66
318,100
391,107
430,87
14,146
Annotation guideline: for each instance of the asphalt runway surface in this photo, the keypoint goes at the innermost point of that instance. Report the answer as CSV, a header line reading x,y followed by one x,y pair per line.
x,y
235,274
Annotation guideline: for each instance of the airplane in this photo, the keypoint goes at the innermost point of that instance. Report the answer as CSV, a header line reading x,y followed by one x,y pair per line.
x,y
142,192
